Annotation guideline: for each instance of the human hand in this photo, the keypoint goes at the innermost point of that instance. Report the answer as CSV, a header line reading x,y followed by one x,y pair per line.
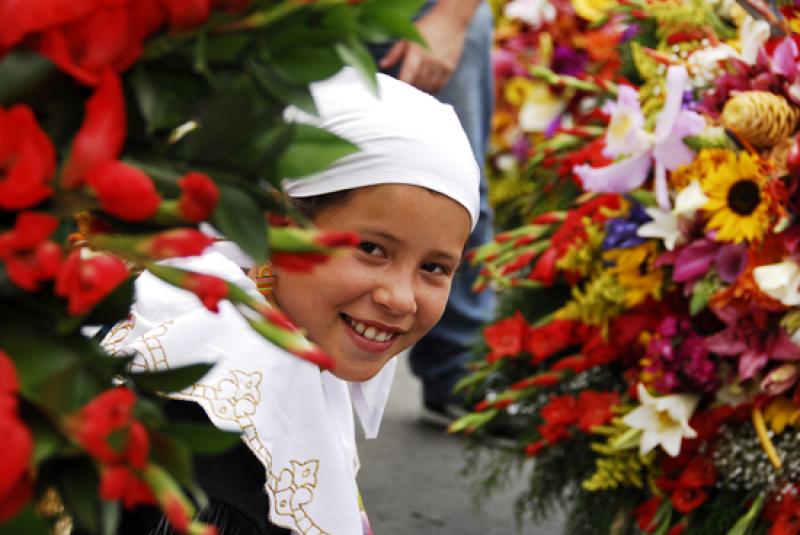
x,y
429,69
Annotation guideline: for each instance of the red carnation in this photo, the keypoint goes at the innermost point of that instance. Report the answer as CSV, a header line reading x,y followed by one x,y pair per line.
x,y
199,196
595,408
102,133
124,191
29,256
110,36
15,484
85,282
27,160
560,410
187,14
17,19
9,383
208,288
176,242
120,483
505,337
687,499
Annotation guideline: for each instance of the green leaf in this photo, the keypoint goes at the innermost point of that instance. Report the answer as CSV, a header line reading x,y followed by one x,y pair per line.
x,y
27,522
472,421
383,20
175,457
747,521
701,294
110,514
239,218
203,439
354,53
114,307
312,150
165,99
21,71
77,481
285,90
170,380
304,65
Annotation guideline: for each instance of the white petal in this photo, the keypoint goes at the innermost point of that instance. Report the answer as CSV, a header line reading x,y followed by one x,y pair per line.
x,y
779,281
643,417
671,441
690,199
650,439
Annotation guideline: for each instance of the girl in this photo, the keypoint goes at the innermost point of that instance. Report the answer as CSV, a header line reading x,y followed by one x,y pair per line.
x,y
411,194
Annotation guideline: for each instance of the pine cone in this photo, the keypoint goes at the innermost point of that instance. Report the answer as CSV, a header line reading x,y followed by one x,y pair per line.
x,y
762,118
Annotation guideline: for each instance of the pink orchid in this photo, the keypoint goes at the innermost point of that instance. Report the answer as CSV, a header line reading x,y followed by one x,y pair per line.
x,y
664,147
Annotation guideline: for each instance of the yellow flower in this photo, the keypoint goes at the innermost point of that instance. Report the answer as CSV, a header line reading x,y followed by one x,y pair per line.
x,y
593,10
634,271
738,205
781,412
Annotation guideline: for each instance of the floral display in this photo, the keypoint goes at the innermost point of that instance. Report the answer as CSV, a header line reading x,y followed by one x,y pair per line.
x,y
125,127
646,357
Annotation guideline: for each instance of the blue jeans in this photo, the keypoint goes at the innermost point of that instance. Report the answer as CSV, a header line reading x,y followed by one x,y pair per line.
x,y
440,358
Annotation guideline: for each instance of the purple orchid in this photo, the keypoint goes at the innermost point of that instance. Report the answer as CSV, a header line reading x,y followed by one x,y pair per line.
x,y
626,137
695,259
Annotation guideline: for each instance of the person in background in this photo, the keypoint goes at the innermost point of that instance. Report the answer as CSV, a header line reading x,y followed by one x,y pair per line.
x,y
456,69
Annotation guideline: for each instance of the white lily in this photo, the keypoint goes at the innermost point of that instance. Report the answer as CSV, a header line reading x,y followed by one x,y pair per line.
x,y
689,200
664,226
752,36
663,420
780,281
533,12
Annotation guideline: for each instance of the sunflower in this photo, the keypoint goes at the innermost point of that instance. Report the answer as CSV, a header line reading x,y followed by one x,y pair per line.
x,y
740,204
634,270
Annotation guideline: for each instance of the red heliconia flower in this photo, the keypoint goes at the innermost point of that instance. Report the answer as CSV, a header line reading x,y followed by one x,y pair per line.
x,y
102,134
199,197
208,288
85,282
27,160
176,242
110,36
112,413
560,410
29,256
505,338
124,191
187,14
595,408
120,483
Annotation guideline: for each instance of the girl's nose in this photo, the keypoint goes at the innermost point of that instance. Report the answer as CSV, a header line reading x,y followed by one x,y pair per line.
x,y
396,296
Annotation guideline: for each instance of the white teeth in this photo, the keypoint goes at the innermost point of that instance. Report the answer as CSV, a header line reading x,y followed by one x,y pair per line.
x,y
370,333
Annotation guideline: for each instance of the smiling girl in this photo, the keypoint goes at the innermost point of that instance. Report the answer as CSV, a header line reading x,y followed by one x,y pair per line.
x,y
411,194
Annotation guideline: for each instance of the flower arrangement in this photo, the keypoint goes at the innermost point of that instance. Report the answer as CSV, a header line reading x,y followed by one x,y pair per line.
x,y
124,126
647,353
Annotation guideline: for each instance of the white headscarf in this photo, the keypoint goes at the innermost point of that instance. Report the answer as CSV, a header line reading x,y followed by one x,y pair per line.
x,y
405,136
297,421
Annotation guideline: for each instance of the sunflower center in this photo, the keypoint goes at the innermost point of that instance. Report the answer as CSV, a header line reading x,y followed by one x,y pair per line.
x,y
744,197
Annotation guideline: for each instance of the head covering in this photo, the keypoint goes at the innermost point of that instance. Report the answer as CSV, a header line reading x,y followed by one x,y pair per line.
x,y
297,421
405,136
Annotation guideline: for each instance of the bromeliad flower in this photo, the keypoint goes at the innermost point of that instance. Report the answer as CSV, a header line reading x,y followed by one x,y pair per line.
x,y
663,420
626,136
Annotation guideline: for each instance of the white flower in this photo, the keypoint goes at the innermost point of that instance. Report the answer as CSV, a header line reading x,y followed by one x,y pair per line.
x,y
540,109
664,420
780,281
689,200
533,12
664,226
752,36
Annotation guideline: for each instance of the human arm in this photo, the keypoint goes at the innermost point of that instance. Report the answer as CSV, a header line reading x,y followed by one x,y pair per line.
x,y
444,28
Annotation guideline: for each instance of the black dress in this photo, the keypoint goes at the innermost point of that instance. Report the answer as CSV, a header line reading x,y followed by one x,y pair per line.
x,y
233,480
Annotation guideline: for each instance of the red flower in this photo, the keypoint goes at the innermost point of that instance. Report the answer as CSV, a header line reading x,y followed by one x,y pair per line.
x,y
85,282
299,262
544,270
553,433
17,441
699,472
560,410
208,288
316,356
120,483
576,363
784,513
176,242
112,413
595,408
543,342
124,191
102,133
9,383
645,514
533,449
199,196
176,512
17,19
505,337
542,379
337,238
110,36
187,14
231,6
677,529
687,499
29,257
27,160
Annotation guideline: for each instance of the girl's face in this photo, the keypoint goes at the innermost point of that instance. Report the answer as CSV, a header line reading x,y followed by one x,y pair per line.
x,y
366,305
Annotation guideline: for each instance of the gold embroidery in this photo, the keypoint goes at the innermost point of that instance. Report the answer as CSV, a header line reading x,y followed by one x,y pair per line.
x,y
235,399
111,342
